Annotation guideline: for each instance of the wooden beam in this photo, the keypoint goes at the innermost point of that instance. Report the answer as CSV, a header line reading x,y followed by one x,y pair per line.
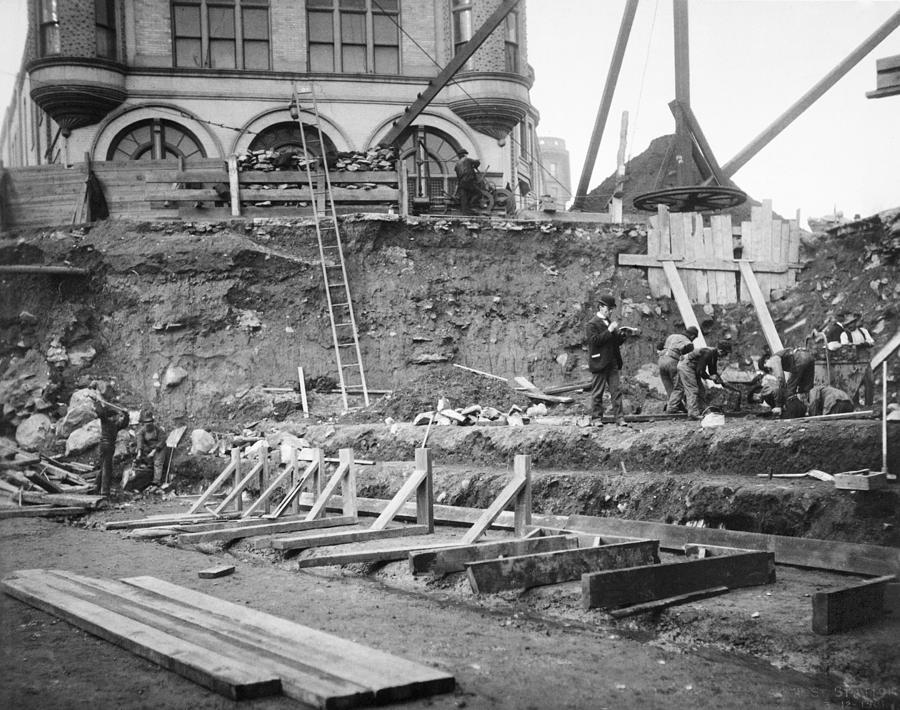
x,y
841,609
43,270
435,85
731,265
609,90
811,96
385,554
660,604
263,527
390,678
40,511
342,538
420,482
681,44
693,126
505,497
526,571
798,551
762,309
685,309
217,483
234,186
643,584
207,667
447,559
153,521
337,479
890,347
216,572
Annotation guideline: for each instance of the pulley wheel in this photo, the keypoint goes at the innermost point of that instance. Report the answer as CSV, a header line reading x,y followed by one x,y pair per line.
x,y
691,199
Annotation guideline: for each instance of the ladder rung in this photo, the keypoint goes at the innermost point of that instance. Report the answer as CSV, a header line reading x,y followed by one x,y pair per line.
x,y
340,305
352,364
346,345
339,284
345,323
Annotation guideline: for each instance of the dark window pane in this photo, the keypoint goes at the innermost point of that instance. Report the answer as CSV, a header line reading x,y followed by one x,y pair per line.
x,y
353,28
106,43
221,22
321,57
321,28
256,55
103,12
353,4
512,57
387,60
187,52
256,24
319,3
386,6
187,21
354,58
221,54
384,30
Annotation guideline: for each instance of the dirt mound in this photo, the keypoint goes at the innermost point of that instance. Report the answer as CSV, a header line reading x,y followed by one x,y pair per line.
x,y
459,387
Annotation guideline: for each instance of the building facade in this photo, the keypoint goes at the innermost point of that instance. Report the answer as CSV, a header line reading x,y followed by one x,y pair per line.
x,y
156,79
557,178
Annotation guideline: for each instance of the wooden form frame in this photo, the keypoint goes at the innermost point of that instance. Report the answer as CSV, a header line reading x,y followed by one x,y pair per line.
x,y
636,585
841,609
535,570
798,551
345,477
420,482
517,491
443,561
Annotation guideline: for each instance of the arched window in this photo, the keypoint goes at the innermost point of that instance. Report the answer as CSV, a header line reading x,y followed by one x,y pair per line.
x,y
286,136
155,139
430,156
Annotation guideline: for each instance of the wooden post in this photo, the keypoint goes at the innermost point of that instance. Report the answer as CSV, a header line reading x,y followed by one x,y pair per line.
x,y
683,152
319,459
348,483
236,457
522,515
884,403
615,205
404,188
303,401
295,476
234,186
609,89
264,473
425,491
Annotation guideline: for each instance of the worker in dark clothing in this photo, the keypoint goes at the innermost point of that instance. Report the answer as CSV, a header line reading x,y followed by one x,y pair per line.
x,y
800,364
151,444
855,343
604,337
694,367
466,180
675,346
828,400
112,420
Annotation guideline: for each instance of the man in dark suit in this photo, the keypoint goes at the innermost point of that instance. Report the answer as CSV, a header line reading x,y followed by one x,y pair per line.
x,y
604,337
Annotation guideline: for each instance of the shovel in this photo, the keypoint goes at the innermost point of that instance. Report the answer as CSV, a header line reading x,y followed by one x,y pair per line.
x,y
172,441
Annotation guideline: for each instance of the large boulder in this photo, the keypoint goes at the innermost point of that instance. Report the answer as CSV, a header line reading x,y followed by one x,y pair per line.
x,y
202,442
84,438
81,410
35,433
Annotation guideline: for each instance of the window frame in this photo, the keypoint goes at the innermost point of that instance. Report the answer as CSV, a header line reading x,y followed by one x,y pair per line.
x,y
374,52
238,41
48,28
511,58
108,28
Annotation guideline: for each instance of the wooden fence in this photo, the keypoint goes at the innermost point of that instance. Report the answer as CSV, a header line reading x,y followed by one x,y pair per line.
x,y
707,254
160,189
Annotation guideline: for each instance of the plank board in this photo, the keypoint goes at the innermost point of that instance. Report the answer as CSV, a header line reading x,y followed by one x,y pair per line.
x,y
216,572
659,604
685,309
262,527
658,242
841,609
298,679
637,585
40,511
342,538
390,677
388,554
802,552
207,667
526,571
755,294
504,498
449,559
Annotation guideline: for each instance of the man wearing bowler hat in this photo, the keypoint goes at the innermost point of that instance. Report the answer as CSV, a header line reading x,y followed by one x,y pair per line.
x,y
604,337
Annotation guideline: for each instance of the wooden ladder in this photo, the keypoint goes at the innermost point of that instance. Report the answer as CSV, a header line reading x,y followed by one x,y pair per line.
x,y
344,333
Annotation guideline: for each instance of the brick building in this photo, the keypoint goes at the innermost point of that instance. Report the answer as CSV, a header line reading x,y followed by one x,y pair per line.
x,y
554,157
157,79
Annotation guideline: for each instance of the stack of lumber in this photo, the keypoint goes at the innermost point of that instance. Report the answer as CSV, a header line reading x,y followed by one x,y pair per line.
x,y
36,485
235,651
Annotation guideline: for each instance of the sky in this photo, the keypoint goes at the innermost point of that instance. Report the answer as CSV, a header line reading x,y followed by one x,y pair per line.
x,y
750,61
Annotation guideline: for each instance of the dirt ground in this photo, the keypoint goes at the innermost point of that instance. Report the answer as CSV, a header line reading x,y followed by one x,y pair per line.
x,y
534,650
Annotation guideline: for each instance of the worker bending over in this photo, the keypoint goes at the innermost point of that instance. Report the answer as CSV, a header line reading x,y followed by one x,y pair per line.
x,y
694,367
800,364
828,400
676,345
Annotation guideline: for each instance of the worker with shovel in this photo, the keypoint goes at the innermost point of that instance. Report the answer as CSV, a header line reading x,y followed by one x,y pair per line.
x,y
694,367
151,444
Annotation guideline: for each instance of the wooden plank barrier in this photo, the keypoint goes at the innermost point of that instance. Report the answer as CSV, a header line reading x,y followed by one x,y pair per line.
x,y
636,585
535,570
443,561
842,609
